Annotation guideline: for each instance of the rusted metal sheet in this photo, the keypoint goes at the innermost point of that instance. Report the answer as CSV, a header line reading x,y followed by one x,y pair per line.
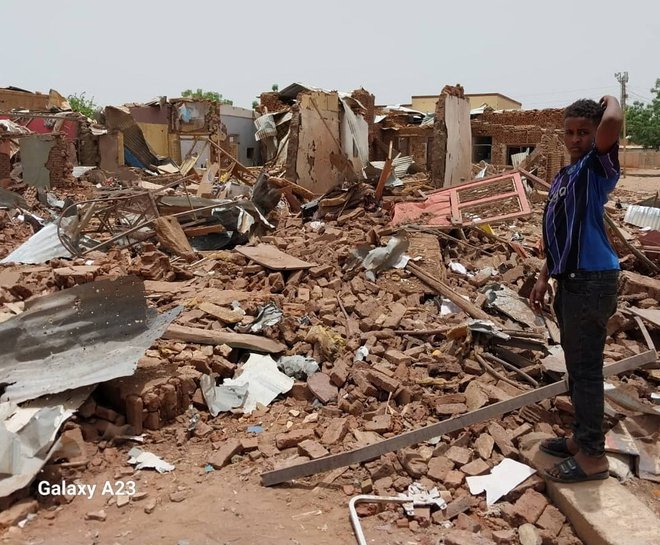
x,y
483,201
77,337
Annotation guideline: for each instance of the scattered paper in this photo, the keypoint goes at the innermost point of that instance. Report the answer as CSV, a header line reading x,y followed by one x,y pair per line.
x,y
263,379
142,459
503,478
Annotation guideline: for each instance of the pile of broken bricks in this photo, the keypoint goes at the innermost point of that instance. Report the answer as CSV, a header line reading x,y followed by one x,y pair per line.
x,y
394,355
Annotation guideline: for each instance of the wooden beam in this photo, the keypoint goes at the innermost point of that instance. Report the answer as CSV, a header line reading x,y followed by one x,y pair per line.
x,y
384,175
202,230
444,290
413,437
638,254
534,178
235,340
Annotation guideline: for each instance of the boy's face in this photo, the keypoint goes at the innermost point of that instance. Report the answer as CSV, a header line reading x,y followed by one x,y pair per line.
x,y
579,136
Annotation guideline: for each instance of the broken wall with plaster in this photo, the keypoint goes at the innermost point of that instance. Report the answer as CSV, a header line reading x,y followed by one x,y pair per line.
x,y
540,131
451,156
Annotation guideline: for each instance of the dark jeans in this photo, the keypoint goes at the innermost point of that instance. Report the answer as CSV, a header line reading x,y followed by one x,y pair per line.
x,y
583,305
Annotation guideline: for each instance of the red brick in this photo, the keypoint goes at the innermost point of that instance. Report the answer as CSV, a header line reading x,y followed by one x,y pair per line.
x,y
383,382
396,357
223,456
335,431
439,466
320,385
530,506
312,448
463,537
292,438
551,520
454,478
459,455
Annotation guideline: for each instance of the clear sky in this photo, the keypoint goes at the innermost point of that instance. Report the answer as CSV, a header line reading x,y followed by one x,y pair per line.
x,y
543,54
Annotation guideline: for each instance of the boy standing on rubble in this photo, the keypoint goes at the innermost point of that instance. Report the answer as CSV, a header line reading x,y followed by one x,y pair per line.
x,y
581,259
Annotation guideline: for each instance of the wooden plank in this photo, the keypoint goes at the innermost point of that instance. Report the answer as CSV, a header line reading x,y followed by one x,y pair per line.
x,y
384,175
235,340
271,257
637,253
444,290
172,238
413,437
204,230
534,178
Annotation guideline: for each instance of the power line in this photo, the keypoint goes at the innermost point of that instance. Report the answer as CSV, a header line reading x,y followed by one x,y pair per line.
x,y
640,96
566,91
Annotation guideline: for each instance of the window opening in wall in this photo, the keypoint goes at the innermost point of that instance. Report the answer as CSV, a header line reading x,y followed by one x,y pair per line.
x,y
250,153
512,151
482,149
404,145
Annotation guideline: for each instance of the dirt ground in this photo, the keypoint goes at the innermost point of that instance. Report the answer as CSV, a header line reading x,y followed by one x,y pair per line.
x,y
227,507
640,181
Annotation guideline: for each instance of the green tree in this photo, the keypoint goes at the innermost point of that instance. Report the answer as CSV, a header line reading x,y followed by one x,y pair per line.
x,y
86,106
200,94
275,87
643,120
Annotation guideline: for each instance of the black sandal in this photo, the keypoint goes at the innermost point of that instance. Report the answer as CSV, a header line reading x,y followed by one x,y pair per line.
x,y
556,447
570,472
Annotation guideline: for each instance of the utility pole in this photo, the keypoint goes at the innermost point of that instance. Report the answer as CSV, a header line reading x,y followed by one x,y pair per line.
x,y
622,78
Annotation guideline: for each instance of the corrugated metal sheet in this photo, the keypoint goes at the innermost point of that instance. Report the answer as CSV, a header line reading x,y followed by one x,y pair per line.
x,y
400,165
43,246
643,216
77,337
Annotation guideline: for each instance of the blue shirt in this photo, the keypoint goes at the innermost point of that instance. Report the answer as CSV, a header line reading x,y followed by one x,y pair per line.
x,y
573,225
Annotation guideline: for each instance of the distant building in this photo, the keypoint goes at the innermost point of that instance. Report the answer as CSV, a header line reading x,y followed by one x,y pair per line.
x,y
496,101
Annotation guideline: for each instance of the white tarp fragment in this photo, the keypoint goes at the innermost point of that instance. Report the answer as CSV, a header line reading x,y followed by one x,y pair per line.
x,y
380,259
265,382
267,316
503,478
147,460
221,398
299,367
27,436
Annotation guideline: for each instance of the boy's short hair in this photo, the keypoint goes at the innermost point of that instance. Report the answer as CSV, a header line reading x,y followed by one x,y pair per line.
x,y
585,107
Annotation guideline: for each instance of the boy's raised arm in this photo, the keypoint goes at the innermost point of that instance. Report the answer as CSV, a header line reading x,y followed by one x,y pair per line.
x,y
610,126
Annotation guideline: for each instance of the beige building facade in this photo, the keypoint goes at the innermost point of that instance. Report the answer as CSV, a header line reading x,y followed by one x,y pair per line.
x,y
497,101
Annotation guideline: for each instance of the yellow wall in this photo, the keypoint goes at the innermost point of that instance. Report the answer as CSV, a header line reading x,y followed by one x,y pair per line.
x,y
496,102
156,136
424,104
427,104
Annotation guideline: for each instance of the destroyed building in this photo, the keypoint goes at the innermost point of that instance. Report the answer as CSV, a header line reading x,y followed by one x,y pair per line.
x,y
328,319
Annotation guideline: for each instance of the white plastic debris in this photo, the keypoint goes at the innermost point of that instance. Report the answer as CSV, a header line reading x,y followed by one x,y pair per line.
x,y
503,478
142,459
419,495
361,354
458,268
449,307
263,379
299,367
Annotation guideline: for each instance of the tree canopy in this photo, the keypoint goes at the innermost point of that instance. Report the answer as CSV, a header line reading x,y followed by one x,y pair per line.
x,y
643,120
200,94
86,106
